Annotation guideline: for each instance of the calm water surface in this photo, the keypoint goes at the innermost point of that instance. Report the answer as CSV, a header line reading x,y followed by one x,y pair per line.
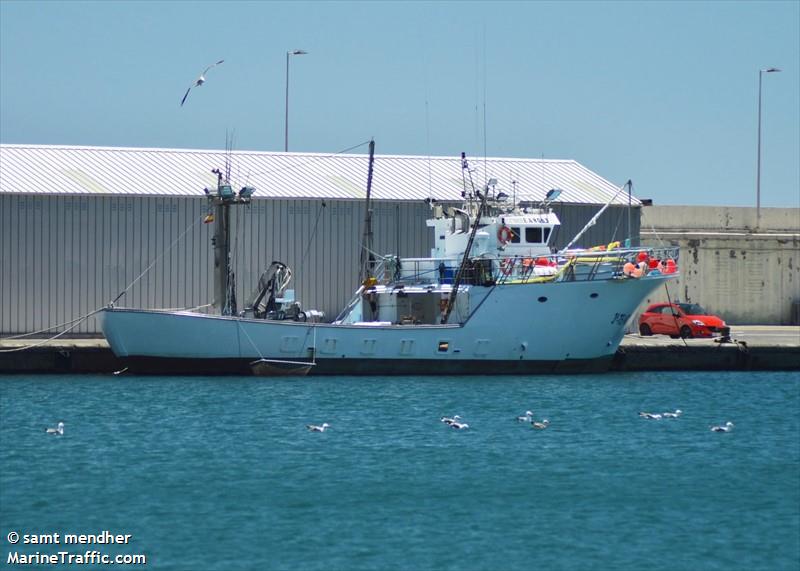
x,y
210,473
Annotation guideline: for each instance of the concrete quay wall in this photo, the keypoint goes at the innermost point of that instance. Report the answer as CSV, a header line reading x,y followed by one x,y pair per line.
x,y
753,349
747,273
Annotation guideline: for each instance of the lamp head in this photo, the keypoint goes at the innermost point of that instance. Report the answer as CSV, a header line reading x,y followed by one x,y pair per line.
x,y
552,194
298,53
770,70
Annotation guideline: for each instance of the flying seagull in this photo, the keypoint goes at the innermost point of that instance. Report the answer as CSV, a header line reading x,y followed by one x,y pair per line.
x,y
200,80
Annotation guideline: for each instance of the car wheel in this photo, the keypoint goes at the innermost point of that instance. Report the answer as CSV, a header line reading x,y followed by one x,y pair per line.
x,y
686,332
644,330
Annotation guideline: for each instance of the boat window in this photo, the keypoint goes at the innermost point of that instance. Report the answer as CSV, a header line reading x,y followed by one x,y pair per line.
x,y
547,234
515,234
533,235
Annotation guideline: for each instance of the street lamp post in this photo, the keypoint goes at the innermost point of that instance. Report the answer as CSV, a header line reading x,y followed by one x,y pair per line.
x,y
286,129
758,160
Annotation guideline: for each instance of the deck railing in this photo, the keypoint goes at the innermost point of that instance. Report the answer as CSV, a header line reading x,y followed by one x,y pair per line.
x,y
575,265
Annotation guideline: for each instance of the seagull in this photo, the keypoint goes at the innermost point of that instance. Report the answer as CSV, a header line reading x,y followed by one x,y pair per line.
x,y
315,428
200,80
527,418
459,425
540,425
59,429
650,416
675,414
727,428
449,421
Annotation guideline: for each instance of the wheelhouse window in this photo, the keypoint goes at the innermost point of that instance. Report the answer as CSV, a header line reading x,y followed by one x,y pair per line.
x,y
533,235
546,234
515,235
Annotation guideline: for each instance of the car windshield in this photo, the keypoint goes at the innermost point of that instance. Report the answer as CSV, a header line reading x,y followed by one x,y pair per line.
x,y
691,309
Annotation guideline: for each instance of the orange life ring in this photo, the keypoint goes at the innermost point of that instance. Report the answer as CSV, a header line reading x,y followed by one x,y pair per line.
x,y
504,235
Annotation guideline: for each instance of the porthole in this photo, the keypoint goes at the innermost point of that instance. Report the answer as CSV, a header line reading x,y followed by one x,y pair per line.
x,y
594,295
542,299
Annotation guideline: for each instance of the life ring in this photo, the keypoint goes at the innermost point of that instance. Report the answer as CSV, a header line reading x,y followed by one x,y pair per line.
x,y
504,235
506,266
628,268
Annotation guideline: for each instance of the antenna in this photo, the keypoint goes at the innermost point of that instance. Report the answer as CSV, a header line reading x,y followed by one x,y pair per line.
x,y
468,196
485,172
428,138
513,189
228,151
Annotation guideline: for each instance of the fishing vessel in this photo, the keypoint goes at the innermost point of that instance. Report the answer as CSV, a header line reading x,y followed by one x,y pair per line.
x,y
492,298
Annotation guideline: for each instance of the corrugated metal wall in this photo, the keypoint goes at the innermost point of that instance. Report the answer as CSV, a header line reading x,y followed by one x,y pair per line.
x,y
63,256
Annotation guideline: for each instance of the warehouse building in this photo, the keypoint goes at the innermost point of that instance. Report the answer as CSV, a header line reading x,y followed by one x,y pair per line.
x,y
80,225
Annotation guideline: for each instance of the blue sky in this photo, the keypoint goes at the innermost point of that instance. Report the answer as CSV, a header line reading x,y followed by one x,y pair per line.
x,y
663,93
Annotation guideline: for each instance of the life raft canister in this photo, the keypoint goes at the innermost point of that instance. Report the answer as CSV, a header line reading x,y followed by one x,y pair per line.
x,y
504,235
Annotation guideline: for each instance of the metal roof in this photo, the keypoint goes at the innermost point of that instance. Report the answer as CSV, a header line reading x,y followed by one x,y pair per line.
x,y
73,170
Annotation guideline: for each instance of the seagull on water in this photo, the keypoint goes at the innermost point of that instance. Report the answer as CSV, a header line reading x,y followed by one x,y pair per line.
x,y
317,428
650,416
727,428
459,425
527,418
540,425
200,80
59,429
449,421
675,414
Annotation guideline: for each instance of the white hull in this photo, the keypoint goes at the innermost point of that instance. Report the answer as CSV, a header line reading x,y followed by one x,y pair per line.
x,y
510,330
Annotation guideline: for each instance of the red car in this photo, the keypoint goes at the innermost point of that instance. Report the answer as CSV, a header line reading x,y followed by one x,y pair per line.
x,y
681,320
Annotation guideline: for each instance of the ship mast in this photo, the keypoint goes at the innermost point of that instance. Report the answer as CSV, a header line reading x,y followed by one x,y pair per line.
x,y
224,284
367,257
462,269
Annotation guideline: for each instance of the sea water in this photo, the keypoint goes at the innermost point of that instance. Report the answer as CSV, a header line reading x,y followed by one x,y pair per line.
x,y
221,473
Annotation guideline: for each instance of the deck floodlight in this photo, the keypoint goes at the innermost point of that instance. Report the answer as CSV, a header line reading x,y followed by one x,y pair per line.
x,y
225,191
247,191
501,195
552,194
